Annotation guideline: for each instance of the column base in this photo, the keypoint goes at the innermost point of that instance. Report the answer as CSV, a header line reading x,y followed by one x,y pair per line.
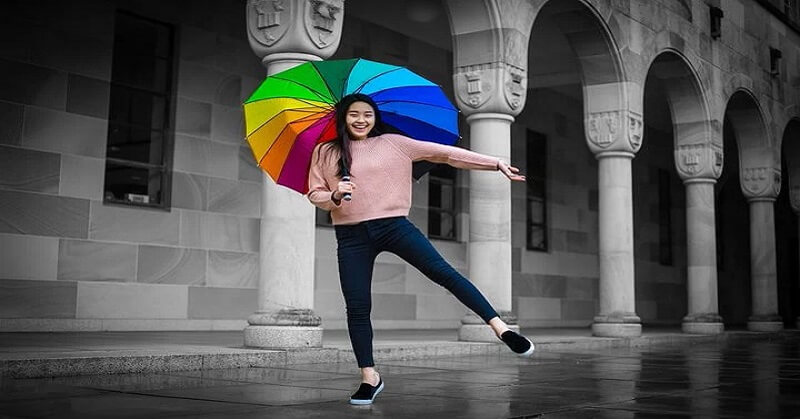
x,y
282,337
702,328
703,324
619,324
474,329
480,333
617,330
764,326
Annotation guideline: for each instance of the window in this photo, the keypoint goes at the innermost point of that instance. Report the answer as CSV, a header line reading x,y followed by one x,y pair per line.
x,y
140,113
664,218
536,202
442,203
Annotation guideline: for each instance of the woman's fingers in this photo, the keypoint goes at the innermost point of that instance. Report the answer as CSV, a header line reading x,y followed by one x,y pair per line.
x,y
511,174
346,186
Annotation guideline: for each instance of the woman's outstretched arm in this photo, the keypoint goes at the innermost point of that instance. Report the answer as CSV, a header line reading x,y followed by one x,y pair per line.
x,y
451,155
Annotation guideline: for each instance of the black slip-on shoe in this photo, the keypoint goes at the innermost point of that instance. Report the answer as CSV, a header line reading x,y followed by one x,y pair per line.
x,y
366,393
521,345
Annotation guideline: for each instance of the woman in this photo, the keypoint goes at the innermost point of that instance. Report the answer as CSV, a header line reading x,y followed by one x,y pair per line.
x,y
375,169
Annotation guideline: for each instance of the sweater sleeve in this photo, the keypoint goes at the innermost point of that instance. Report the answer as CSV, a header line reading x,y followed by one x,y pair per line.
x,y
319,192
439,153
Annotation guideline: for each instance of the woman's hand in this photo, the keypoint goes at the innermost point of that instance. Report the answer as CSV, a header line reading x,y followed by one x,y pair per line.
x,y
342,188
511,172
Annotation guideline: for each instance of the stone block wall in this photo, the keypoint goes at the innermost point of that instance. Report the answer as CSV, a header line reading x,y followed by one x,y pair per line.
x,y
68,261
559,286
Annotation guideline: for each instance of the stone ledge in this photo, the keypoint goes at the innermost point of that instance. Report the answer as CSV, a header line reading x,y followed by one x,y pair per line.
x,y
57,364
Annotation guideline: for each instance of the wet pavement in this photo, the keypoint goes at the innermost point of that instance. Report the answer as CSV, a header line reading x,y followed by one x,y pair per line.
x,y
742,379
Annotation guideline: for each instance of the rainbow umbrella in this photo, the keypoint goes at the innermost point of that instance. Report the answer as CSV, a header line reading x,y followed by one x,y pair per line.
x,y
293,111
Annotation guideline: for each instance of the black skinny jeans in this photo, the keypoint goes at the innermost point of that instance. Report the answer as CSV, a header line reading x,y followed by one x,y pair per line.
x,y
357,247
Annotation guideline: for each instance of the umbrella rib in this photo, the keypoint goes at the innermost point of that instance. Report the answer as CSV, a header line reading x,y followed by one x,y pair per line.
x,y
315,91
381,102
286,110
281,133
420,121
295,144
375,77
311,105
310,115
324,80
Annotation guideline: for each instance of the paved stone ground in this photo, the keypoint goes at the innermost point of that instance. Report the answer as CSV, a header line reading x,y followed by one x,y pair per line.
x,y
38,355
738,378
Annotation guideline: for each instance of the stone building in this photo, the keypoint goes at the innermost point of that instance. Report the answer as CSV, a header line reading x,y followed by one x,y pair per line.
x,y
661,140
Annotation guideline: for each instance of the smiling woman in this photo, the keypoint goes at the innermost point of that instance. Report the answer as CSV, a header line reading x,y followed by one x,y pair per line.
x,y
375,220
360,120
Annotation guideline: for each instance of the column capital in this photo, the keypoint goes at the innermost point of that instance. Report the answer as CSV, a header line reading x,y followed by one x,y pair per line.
x,y
760,183
490,115
618,130
699,180
607,154
490,53
312,27
699,161
494,87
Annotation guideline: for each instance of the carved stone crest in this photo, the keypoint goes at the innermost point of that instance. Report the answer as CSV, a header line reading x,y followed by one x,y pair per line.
x,y
323,20
473,86
603,128
703,160
635,128
515,86
756,181
690,159
268,20
719,159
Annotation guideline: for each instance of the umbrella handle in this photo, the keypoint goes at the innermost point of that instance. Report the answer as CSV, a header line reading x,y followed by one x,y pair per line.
x,y
347,195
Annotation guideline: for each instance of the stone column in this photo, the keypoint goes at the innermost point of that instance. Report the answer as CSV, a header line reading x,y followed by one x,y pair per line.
x,y
699,165
614,136
285,34
490,80
489,252
761,186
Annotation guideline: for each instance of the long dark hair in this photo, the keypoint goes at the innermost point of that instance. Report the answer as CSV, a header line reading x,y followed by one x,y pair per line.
x,y
342,141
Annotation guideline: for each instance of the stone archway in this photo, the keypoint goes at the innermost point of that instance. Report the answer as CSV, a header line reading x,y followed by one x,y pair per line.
x,y
787,227
676,262
759,182
490,41
574,56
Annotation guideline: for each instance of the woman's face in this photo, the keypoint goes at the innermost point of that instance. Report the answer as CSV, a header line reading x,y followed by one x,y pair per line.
x,y
360,119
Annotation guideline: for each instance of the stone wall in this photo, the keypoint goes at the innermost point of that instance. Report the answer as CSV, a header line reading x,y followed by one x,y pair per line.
x,y
557,287
69,261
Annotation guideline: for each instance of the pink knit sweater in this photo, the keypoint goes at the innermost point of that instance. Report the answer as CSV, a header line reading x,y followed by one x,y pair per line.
x,y
381,171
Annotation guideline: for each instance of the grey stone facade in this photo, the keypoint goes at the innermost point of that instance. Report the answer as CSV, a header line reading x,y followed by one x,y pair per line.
x,y
642,82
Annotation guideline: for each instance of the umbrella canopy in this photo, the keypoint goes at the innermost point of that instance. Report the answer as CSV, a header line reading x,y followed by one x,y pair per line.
x,y
294,110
